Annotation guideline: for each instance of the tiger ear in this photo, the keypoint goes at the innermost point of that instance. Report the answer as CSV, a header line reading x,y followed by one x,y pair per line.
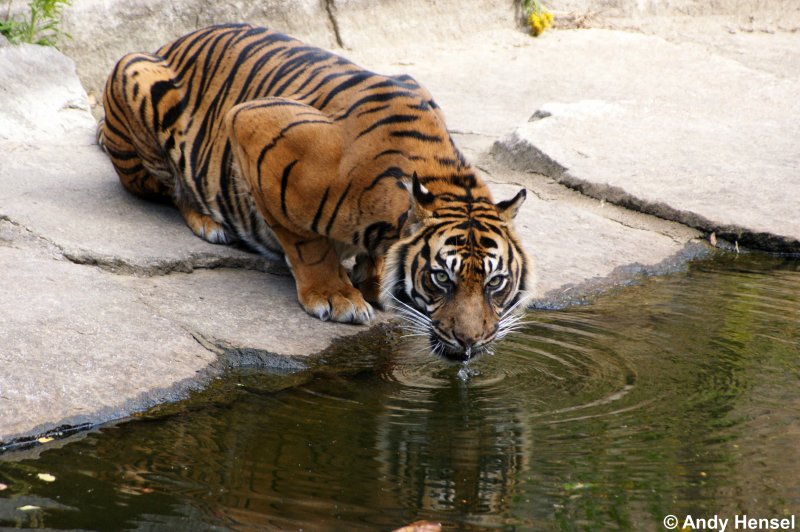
x,y
421,199
508,209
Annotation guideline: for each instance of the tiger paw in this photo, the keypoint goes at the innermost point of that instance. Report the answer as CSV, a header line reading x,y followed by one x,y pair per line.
x,y
346,305
206,228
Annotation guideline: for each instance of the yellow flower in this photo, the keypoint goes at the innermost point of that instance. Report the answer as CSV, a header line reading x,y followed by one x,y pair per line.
x,y
539,18
537,26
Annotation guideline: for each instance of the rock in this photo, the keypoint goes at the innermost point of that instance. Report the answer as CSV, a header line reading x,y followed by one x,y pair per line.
x,y
78,347
104,31
694,138
42,97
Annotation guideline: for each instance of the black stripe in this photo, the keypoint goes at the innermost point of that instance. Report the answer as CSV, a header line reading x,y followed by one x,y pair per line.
x,y
416,135
375,234
392,172
373,110
284,182
319,209
312,76
446,161
395,82
487,242
373,98
286,67
133,170
174,112
389,152
336,209
389,120
314,90
355,79
122,155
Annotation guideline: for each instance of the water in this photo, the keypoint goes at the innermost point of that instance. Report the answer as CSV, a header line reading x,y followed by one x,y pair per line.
x,y
679,396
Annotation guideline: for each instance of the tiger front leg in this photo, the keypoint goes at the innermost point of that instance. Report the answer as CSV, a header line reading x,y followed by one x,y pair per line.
x,y
288,155
323,285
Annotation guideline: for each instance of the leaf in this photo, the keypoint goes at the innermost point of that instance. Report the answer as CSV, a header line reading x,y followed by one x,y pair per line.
x,y
421,526
574,486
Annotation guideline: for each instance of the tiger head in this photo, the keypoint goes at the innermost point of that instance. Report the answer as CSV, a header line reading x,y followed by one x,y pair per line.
x,y
458,276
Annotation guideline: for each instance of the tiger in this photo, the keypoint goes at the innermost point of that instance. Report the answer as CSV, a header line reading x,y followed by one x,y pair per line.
x,y
298,154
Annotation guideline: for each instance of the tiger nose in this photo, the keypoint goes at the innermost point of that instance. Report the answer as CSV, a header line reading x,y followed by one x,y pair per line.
x,y
466,340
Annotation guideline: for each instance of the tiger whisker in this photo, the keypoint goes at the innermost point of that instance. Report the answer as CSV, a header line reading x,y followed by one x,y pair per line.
x,y
412,335
415,326
412,320
514,307
515,323
408,308
411,317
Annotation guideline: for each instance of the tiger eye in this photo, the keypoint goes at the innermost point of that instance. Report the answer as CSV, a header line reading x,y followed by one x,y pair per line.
x,y
441,277
495,282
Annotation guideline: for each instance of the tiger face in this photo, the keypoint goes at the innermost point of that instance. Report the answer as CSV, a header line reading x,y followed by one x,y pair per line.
x,y
459,277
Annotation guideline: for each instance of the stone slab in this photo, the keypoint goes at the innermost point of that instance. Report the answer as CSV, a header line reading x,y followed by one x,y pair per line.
x,y
69,194
76,347
103,31
240,311
692,137
52,108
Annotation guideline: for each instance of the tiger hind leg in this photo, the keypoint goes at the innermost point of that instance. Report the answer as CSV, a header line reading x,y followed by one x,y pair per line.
x,y
133,136
203,225
127,133
133,175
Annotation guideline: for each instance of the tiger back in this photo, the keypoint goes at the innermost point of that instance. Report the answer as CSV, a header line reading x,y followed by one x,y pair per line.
x,y
292,151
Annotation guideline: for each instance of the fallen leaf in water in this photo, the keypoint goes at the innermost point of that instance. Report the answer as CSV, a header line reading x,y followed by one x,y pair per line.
x,y
47,477
28,508
421,526
572,486
45,439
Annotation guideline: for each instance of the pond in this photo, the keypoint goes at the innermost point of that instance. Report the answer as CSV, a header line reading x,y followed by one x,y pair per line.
x,y
679,396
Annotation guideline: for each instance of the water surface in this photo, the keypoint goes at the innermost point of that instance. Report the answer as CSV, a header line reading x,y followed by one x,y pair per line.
x,y
679,396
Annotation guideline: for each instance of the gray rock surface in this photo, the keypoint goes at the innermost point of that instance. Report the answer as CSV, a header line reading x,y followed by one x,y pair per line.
x,y
109,304
103,31
77,347
692,137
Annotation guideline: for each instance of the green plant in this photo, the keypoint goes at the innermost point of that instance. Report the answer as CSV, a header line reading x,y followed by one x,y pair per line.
x,y
41,25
